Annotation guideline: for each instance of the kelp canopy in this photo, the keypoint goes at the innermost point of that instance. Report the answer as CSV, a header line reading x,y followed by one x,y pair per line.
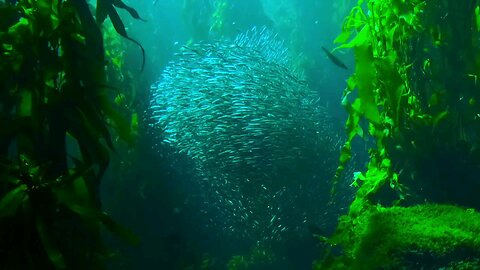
x,y
415,92
56,121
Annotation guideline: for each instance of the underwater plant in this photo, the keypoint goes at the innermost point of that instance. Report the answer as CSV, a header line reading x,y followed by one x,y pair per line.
x,y
402,237
56,119
413,91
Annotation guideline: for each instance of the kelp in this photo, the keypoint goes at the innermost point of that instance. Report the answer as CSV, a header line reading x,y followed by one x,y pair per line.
x,y
53,103
379,83
414,92
107,8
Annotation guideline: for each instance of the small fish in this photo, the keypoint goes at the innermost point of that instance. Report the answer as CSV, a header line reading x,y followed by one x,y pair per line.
x,y
334,59
238,113
273,218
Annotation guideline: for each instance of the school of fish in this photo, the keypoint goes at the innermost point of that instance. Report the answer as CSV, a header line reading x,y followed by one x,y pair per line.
x,y
260,141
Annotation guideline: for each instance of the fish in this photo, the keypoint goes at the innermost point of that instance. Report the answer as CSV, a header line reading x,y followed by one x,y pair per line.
x,y
334,59
237,114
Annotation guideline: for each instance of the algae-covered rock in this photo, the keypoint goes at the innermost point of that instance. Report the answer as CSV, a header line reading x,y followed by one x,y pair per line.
x,y
404,237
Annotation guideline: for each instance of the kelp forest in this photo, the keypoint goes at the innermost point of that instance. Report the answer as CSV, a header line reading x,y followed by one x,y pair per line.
x,y
414,92
58,124
105,166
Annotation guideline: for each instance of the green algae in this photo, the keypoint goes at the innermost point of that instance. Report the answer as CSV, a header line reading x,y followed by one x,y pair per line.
x,y
384,237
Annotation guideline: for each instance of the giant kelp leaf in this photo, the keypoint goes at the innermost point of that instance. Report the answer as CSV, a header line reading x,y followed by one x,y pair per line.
x,y
74,188
132,11
95,215
375,178
123,232
44,7
365,73
354,21
94,152
20,29
360,39
70,194
359,18
12,200
9,15
76,196
117,22
344,35
79,123
101,12
104,6
353,122
49,9
81,191
93,118
394,86
399,7
88,137
351,84
353,126
122,126
392,36
89,53
353,129
346,153
52,251
345,156
120,28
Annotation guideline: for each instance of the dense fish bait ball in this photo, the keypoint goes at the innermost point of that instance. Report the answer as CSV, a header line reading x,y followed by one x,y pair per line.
x,y
250,124
237,108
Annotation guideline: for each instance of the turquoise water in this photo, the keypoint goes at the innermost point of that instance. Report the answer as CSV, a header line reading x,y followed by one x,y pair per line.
x,y
241,135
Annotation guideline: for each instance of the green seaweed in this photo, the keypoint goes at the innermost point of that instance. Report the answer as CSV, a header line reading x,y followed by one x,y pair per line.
x,y
57,120
415,91
382,236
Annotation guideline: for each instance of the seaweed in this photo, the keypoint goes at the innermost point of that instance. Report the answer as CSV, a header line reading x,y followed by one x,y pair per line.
x,y
415,87
56,120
